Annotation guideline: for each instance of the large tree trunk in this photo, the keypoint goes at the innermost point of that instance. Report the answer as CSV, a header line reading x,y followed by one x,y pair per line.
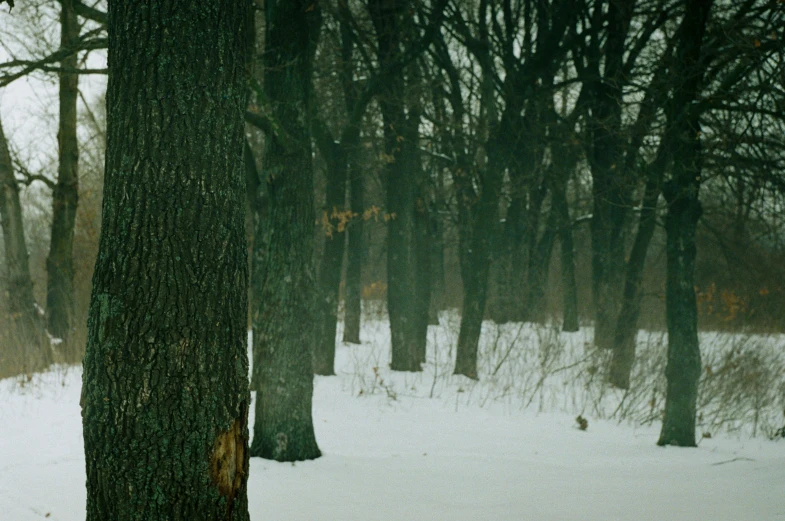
x,y
284,323
354,258
26,327
60,263
684,209
165,394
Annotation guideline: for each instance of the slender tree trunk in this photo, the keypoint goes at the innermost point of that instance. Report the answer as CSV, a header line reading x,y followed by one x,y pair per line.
x,y
65,198
567,247
684,210
421,211
436,245
627,323
475,264
388,20
354,256
332,262
165,393
26,327
285,320
626,332
539,263
511,262
611,187
424,274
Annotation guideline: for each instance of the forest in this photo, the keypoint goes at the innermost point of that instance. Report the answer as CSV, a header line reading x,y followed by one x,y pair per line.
x,y
245,234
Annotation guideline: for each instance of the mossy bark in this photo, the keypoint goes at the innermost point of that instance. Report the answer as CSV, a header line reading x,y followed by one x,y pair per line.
x,y
65,198
165,392
285,320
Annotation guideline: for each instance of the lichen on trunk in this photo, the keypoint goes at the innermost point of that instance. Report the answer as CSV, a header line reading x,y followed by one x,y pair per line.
x,y
165,394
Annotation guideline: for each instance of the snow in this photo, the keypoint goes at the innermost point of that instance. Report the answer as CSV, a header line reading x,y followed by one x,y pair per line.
x,y
427,447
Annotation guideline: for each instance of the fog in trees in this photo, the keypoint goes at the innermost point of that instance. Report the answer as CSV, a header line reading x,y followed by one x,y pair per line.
x,y
484,196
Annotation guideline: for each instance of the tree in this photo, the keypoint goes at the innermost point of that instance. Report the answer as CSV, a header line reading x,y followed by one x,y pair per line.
x,y
65,197
684,209
284,321
505,132
165,395
26,326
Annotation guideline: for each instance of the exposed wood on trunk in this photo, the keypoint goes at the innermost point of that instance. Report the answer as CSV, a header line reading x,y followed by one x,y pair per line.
x,y
165,394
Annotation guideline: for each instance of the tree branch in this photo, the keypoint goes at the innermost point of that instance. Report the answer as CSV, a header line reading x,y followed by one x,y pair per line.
x,y
28,66
27,178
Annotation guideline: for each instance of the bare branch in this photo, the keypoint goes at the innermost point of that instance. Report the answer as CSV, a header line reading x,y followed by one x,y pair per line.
x,y
27,178
28,66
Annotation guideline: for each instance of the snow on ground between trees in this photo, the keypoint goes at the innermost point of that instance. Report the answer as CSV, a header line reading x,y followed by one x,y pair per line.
x,y
435,447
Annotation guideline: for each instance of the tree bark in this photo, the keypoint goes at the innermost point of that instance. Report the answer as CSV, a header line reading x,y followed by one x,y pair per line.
x,y
65,198
388,20
539,263
566,244
284,323
611,187
27,334
475,264
330,271
684,209
165,394
354,258
627,323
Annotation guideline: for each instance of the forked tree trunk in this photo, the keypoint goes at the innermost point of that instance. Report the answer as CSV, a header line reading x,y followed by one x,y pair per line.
x,y
65,198
684,209
27,335
165,392
627,324
475,266
284,323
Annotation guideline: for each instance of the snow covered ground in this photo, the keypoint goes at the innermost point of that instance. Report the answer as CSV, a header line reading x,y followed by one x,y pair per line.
x,y
433,447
